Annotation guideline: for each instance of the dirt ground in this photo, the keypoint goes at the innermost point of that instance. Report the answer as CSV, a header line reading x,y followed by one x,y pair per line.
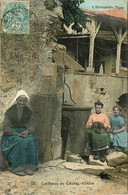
x,y
56,181
111,188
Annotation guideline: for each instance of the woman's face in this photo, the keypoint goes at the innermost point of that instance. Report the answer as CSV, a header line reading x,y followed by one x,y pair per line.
x,y
21,101
116,111
98,109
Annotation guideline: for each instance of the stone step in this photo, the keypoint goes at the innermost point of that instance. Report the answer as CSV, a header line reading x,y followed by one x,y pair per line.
x,y
116,158
96,162
95,170
76,159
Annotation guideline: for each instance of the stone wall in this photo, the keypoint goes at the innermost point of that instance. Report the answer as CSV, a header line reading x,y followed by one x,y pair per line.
x,y
88,88
27,63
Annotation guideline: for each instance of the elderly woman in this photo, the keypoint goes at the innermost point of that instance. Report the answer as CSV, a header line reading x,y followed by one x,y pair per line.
x,y
19,145
99,126
119,133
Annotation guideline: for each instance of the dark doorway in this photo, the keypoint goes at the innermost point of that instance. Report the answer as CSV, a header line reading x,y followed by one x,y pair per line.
x,y
123,102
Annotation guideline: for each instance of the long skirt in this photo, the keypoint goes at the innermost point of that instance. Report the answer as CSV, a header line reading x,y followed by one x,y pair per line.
x,y
120,139
20,151
99,141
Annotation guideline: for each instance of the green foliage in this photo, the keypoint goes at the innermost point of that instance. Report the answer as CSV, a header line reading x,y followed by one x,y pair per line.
x,y
72,13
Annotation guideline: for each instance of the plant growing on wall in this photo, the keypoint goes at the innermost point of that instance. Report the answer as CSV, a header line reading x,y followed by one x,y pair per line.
x,y
73,14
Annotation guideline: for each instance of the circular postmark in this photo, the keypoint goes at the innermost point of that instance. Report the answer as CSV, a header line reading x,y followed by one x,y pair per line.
x,y
15,17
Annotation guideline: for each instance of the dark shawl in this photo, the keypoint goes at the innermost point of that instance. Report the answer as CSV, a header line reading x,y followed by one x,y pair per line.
x,y
12,115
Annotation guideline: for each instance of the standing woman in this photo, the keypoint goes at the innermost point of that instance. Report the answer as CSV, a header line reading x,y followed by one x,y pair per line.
x,y
99,126
19,145
118,133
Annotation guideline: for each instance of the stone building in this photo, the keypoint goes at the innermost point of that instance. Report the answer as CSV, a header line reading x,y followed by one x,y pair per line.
x,y
32,60
56,70
100,52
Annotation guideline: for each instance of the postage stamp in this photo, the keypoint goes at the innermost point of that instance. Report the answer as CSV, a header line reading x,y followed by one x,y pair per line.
x,y
15,17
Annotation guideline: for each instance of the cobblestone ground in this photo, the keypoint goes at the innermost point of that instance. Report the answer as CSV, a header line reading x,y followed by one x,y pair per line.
x,y
52,179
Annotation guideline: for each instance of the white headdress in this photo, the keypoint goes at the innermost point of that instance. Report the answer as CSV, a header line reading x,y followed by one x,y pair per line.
x,y
19,93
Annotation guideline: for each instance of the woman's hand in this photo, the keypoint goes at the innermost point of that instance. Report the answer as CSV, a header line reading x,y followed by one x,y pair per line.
x,y
119,130
114,132
24,133
18,134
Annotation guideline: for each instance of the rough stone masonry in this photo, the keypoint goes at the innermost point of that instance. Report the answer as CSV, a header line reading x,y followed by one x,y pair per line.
x,y
32,62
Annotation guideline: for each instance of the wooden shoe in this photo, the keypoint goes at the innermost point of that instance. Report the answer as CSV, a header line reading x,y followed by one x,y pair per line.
x,y
102,159
102,156
20,173
28,172
117,149
97,156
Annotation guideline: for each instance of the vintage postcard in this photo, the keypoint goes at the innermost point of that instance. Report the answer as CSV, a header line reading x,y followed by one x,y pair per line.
x,y
63,97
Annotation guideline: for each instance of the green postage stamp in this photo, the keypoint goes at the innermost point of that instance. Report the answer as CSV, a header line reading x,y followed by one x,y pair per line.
x,y
15,17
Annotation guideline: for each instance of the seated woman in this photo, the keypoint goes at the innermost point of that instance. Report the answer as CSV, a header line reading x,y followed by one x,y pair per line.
x,y
19,145
99,138
119,133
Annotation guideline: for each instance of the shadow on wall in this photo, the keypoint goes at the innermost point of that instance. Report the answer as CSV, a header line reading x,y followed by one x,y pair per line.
x,y
74,133
123,102
44,109
64,133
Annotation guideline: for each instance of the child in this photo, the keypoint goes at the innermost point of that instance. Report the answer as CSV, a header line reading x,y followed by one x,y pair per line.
x,y
118,133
